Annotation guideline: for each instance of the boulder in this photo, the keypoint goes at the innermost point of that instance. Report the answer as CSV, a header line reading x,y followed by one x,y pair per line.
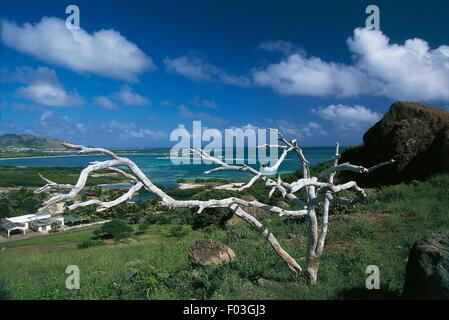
x,y
135,262
415,135
257,213
230,219
210,252
427,271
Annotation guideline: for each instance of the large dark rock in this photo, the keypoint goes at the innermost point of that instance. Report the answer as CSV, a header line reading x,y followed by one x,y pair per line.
x,y
416,136
427,271
210,252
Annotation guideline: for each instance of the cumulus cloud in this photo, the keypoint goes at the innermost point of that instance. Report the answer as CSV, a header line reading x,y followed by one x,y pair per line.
x,y
199,102
25,74
50,95
197,69
301,75
185,112
130,98
298,130
42,87
51,124
125,96
129,130
352,117
105,102
105,52
285,47
410,71
45,115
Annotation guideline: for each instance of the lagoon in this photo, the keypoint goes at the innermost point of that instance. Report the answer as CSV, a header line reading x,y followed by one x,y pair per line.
x,y
159,168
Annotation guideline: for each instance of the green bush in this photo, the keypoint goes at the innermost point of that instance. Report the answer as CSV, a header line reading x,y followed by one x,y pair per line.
x,y
116,229
145,282
89,243
177,231
4,294
142,227
19,202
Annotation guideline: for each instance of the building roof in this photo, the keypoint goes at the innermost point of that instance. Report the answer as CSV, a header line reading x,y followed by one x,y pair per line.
x,y
7,225
29,217
42,222
72,218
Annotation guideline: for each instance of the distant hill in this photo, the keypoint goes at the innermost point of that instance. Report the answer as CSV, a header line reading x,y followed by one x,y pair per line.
x,y
29,141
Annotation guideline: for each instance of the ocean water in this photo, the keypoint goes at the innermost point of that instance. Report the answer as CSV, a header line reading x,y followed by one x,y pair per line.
x,y
159,168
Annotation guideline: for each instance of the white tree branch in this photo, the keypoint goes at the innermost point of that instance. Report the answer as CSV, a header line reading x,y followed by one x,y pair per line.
x,y
317,189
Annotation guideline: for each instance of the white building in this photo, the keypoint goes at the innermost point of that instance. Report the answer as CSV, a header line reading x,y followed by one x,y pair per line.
x,y
40,222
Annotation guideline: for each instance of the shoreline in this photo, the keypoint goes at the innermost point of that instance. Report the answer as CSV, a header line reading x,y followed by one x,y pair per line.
x,y
71,155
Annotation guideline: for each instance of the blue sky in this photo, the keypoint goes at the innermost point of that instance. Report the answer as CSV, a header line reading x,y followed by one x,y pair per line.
x,y
138,69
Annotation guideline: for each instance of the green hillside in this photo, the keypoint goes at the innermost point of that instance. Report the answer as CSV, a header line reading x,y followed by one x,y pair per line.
x,y
29,141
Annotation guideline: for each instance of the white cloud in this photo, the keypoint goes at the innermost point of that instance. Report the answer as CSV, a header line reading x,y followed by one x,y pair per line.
x,y
51,124
300,75
199,102
129,130
25,74
125,95
411,71
298,130
130,98
45,115
185,112
49,95
312,128
105,102
42,87
197,69
80,126
284,47
353,117
105,52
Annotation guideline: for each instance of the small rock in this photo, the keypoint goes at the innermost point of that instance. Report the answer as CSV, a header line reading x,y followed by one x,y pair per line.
x,y
128,241
210,252
283,205
427,271
261,282
131,275
233,221
135,262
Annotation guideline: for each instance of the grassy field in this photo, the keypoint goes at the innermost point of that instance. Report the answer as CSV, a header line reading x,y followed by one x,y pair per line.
x,y
379,232
28,177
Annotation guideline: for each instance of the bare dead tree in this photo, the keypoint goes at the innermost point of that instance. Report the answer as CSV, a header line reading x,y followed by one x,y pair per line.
x,y
318,189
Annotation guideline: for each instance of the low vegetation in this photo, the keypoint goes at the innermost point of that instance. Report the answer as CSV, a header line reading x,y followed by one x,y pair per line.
x,y
378,232
29,176
116,229
19,202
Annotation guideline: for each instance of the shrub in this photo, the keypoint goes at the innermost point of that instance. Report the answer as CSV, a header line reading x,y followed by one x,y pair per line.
x,y
89,243
4,294
142,228
116,228
184,283
177,231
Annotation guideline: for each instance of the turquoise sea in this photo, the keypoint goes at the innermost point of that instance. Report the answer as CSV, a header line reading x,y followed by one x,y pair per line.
x,y
160,169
